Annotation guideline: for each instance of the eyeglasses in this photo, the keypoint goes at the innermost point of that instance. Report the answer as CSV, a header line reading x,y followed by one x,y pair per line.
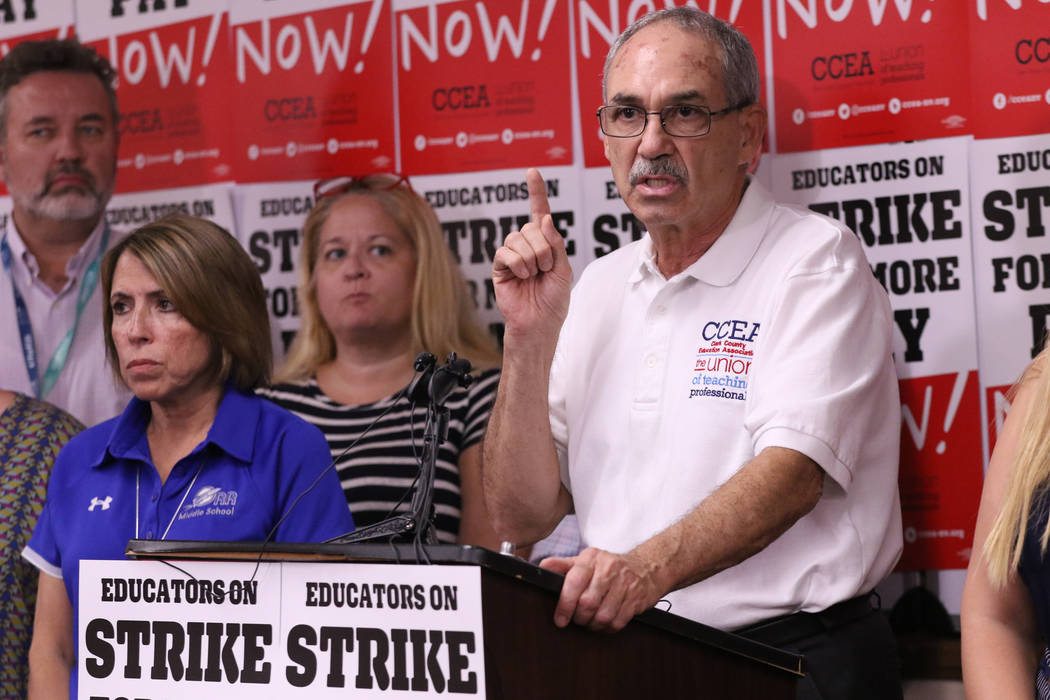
x,y
335,186
690,121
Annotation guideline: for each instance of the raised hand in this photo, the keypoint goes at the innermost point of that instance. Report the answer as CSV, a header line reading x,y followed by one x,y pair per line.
x,y
531,275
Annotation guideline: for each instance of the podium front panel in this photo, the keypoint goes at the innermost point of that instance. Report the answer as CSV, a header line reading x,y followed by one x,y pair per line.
x,y
525,656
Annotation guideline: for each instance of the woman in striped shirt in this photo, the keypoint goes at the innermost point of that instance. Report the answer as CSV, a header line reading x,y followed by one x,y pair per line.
x,y
378,285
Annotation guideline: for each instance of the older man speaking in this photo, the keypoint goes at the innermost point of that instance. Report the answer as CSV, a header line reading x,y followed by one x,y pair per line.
x,y
718,401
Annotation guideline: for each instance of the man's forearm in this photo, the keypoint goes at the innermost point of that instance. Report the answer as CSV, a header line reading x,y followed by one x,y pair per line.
x,y
738,520
520,472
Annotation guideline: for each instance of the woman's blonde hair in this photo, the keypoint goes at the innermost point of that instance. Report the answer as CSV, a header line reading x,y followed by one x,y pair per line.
x,y
213,284
443,316
1029,485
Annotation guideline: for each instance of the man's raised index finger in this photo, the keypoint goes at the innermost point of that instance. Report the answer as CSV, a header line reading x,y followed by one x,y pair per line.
x,y
538,205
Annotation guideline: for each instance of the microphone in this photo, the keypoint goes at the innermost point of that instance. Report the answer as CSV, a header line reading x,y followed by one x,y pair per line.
x,y
454,373
431,388
424,366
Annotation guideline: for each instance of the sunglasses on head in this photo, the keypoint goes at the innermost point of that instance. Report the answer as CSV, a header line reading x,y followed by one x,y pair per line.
x,y
333,186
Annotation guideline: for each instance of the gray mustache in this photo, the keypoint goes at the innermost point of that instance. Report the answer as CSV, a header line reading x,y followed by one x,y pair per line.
x,y
643,168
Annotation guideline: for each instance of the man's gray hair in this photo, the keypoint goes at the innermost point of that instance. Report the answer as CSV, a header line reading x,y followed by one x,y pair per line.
x,y
740,78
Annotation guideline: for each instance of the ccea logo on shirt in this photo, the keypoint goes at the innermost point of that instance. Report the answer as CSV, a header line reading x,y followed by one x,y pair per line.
x,y
102,503
723,359
211,500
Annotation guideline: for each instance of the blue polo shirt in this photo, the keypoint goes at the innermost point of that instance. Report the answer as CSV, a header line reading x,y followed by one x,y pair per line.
x,y
255,461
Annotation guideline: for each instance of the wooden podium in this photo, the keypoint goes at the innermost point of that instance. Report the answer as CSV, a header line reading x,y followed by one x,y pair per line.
x,y
658,655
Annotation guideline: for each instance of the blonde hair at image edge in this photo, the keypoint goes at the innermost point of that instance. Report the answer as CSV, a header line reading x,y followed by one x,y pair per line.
x,y
1029,482
443,315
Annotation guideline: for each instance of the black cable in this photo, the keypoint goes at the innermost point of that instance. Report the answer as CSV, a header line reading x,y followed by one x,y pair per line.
x,y
415,455
180,570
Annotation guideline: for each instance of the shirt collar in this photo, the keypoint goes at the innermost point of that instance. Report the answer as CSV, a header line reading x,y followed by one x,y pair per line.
x,y
645,266
235,424
83,257
727,258
232,431
75,266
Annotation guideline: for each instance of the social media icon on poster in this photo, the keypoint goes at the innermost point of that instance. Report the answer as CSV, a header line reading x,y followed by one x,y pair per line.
x,y
178,156
895,106
999,101
506,136
844,111
333,146
798,116
253,152
461,139
420,142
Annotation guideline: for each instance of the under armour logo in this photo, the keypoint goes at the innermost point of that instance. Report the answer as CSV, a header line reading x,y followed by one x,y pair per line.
x,y
101,502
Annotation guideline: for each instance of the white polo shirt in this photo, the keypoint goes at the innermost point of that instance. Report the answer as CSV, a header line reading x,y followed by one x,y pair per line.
x,y
85,388
661,389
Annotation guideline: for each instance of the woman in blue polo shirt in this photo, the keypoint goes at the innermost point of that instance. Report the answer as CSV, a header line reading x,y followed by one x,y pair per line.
x,y
195,455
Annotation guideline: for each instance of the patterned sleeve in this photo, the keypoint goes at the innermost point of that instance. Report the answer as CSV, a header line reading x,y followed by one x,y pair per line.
x,y
62,427
53,428
482,395
43,550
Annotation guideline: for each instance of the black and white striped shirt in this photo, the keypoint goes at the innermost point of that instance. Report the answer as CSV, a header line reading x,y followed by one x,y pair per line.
x,y
377,473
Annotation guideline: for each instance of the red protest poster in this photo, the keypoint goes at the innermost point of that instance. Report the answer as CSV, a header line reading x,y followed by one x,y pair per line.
x,y
1011,69
173,67
483,86
599,22
938,474
31,21
853,73
314,88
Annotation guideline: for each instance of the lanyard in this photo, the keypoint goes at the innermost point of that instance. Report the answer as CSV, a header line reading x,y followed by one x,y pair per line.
x,y
25,327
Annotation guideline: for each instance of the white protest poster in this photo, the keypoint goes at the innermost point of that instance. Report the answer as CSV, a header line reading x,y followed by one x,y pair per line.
x,y
909,205
204,629
478,210
196,629
608,222
1010,181
373,630
270,218
130,210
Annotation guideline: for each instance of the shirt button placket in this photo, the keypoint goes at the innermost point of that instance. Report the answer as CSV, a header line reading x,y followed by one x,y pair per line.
x,y
655,340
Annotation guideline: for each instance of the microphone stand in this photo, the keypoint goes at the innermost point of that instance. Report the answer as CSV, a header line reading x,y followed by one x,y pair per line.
x,y
433,385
